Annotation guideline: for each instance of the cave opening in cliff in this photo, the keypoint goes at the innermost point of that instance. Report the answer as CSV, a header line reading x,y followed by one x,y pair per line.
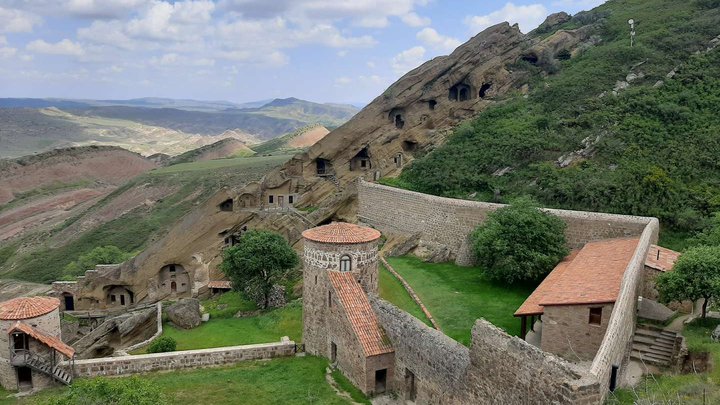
x,y
227,205
459,92
399,122
409,146
432,104
530,58
361,161
484,89
322,167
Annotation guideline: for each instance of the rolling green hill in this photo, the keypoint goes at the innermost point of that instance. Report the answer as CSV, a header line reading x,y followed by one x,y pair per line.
x,y
611,128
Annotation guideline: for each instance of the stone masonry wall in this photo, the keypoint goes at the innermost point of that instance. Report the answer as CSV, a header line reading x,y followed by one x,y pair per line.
x,y
566,331
449,221
621,327
126,365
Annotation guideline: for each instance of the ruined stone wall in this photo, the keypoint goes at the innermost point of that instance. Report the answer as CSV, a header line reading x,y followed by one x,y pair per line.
x,y
497,369
449,221
621,327
566,331
127,365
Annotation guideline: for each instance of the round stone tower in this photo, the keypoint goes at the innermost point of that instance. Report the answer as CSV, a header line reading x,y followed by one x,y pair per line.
x,y
337,247
29,327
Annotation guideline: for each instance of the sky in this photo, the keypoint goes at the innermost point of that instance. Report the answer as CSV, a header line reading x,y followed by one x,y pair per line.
x,y
345,51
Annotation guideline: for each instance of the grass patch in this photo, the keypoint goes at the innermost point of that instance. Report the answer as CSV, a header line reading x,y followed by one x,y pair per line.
x,y
681,389
287,381
348,387
392,290
267,327
228,304
457,296
237,163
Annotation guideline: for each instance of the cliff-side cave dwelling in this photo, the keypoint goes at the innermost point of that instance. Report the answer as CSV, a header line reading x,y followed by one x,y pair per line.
x,y
460,92
226,205
484,89
361,161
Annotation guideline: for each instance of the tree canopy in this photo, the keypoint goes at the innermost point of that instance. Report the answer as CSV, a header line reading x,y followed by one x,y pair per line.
x,y
519,243
695,275
100,255
260,260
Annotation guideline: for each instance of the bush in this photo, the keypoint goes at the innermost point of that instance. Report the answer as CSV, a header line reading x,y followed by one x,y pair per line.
x,y
104,391
162,344
519,243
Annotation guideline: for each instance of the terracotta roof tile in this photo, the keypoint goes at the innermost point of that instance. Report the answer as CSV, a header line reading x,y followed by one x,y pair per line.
x,y
221,284
590,276
363,320
27,307
47,340
341,233
660,258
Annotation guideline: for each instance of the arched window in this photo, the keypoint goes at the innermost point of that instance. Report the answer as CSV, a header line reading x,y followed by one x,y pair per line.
x,y
345,263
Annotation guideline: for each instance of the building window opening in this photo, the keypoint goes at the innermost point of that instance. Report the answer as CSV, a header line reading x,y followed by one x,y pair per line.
x,y
329,299
333,352
173,287
122,299
322,166
172,268
291,199
24,375
361,160
345,263
595,316
271,199
69,302
20,341
113,298
315,280
459,92
380,380
398,160
410,387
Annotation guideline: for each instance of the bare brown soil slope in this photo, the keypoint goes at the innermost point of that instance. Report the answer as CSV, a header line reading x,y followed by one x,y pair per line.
x,y
65,167
308,138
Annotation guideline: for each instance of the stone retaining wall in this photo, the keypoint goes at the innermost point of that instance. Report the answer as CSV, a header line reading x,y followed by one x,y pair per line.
x,y
450,221
128,365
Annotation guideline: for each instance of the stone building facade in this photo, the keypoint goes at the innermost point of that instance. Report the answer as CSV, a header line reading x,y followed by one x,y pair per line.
x,y
31,344
340,270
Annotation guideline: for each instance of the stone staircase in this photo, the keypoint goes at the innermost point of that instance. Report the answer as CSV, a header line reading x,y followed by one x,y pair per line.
x,y
38,364
654,346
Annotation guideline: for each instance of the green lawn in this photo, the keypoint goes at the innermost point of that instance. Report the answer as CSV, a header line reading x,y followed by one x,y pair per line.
x,y
457,296
681,389
287,381
392,290
227,304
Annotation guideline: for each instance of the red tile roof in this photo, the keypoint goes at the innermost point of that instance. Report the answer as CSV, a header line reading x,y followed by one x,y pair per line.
x,y
660,258
27,307
362,319
221,284
590,276
47,340
341,233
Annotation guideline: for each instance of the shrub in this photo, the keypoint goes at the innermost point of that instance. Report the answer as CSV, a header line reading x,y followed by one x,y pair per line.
x,y
519,243
695,275
104,391
162,344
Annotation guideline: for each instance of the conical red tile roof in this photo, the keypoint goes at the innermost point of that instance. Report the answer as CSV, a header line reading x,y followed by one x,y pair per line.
x,y
27,307
341,233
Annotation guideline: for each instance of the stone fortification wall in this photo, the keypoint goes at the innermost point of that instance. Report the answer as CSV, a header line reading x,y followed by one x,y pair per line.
x,y
507,370
438,362
126,365
621,327
497,369
449,221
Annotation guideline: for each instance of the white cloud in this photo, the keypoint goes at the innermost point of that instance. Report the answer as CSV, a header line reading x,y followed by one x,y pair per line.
x,y
528,17
431,38
370,64
342,81
64,47
165,21
12,20
7,52
103,9
408,59
414,20
173,59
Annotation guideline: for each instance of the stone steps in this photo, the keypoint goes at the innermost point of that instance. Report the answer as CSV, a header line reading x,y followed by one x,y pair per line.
x,y
653,345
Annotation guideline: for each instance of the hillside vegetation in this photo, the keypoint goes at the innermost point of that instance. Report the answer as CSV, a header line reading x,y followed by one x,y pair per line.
x,y
649,150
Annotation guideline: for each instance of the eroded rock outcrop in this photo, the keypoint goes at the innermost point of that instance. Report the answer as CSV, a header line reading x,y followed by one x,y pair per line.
x,y
185,313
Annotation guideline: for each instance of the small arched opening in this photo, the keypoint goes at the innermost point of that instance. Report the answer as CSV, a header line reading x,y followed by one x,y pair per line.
x,y
432,104
248,200
484,89
398,160
227,205
345,263
460,92
409,146
173,287
361,161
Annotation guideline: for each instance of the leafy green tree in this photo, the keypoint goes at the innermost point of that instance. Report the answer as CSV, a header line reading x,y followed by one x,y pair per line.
x,y
710,236
100,255
163,344
110,391
260,260
695,275
519,243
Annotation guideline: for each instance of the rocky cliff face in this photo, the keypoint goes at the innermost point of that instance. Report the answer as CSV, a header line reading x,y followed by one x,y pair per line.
x,y
410,118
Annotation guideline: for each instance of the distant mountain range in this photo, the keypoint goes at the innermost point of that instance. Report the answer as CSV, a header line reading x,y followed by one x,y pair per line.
x,y
154,125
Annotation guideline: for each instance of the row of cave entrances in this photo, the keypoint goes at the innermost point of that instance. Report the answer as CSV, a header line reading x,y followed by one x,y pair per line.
x,y
458,92
362,160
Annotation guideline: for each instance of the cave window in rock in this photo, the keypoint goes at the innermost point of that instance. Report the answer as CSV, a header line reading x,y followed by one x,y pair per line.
x,y
530,58
322,167
459,92
398,160
399,122
173,287
69,301
291,199
172,268
345,263
227,205
484,89
248,201
432,104
409,146
361,161
271,199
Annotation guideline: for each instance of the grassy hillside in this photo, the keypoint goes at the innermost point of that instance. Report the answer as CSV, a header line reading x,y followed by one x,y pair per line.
x,y
132,230
650,150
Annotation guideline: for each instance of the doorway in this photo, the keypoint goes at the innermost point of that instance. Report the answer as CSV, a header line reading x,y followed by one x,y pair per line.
x,y
410,388
380,380
24,376
333,352
69,302
173,287
281,201
122,299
